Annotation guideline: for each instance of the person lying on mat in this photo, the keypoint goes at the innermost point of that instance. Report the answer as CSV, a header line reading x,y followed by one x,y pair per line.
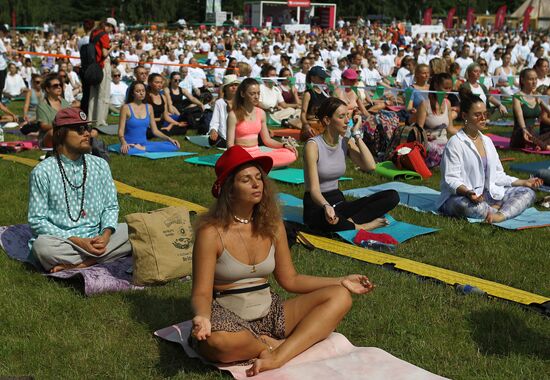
x,y
473,182
73,207
247,121
135,118
238,244
325,208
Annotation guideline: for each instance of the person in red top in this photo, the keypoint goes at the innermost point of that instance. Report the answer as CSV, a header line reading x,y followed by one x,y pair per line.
x,y
98,104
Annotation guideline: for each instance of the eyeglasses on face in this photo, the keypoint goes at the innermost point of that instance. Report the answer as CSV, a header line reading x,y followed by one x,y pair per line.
x,y
116,76
55,85
81,129
480,115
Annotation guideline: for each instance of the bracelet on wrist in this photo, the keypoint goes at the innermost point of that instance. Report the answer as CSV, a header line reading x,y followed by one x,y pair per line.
x,y
325,205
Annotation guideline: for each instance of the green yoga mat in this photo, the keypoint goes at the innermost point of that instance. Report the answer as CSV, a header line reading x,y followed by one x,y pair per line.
x,y
387,169
204,160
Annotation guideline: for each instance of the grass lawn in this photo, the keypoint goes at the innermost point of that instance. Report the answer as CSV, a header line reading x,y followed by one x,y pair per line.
x,y
49,330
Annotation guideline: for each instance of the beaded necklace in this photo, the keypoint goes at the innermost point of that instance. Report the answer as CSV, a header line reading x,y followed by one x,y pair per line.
x,y
64,179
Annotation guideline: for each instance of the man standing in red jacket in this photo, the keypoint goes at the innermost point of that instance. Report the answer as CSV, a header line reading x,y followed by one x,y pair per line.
x,y
98,105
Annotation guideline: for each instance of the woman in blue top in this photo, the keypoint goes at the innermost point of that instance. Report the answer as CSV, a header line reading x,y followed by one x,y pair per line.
x,y
135,118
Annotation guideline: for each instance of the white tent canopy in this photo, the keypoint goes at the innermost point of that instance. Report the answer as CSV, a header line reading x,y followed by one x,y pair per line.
x,y
541,9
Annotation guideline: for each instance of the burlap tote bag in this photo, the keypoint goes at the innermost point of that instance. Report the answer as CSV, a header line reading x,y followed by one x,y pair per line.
x,y
161,244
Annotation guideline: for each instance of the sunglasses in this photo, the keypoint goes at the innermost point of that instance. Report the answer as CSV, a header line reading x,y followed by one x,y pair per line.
x,y
479,115
81,129
116,76
38,82
55,85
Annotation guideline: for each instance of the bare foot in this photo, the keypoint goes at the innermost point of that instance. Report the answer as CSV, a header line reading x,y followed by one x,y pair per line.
x,y
266,361
84,264
168,128
376,223
495,218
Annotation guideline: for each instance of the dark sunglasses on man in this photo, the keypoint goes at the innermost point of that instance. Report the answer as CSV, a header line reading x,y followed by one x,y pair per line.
x,y
80,129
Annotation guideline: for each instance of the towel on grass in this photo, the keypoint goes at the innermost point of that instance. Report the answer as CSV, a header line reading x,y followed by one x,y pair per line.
x,y
334,358
423,199
101,278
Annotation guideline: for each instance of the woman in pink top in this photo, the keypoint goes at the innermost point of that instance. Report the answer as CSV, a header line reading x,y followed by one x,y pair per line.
x,y
247,121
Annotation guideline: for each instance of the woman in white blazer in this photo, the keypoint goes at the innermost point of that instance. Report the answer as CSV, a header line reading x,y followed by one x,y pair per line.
x,y
473,182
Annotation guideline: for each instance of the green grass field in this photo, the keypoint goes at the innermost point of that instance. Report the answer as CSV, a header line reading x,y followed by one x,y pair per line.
x,y
49,330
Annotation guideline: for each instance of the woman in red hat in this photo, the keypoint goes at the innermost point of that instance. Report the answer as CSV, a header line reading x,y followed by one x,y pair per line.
x,y
247,121
239,243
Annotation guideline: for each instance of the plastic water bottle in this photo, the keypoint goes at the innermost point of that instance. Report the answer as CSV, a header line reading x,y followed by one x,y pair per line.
x,y
1,134
469,289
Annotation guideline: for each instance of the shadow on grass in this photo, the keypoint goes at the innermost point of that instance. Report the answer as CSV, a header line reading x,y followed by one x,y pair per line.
x,y
157,311
501,333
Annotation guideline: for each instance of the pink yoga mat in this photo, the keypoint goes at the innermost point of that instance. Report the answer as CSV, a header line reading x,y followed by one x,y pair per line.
x,y
504,143
288,132
332,359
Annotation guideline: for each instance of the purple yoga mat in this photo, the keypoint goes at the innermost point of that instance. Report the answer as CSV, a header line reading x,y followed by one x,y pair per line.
x,y
501,142
100,278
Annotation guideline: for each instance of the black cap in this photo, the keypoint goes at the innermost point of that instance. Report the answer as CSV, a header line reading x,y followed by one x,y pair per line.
x,y
318,71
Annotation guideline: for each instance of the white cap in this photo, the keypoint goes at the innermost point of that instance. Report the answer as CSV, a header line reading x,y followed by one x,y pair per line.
x,y
112,21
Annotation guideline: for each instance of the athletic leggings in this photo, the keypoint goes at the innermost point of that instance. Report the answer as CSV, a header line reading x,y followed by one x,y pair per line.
x,y
281,157
361,210
514,202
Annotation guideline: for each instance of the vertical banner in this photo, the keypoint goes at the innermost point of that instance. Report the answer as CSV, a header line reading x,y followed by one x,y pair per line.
x,y
450,16
427,19
499,18
527,17
470,17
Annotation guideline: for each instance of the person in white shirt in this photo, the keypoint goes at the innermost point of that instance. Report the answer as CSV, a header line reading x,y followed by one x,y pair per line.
x,y
305,64
464,60
271,98
15,85
336,73
27,71
275,58
473,182
496,61
370,75
386,61
541,68
198,77
257,67
118,92
404,72
217,134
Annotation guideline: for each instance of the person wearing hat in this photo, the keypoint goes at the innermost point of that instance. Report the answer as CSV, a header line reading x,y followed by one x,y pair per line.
x,y
313,97
217,135
239,243
73,207
95,99
346,94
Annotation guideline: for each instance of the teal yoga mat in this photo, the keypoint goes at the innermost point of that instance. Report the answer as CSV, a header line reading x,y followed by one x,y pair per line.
x,y
201,140
422,198
292,208
387,169
530,167
161,155
293,175
204,160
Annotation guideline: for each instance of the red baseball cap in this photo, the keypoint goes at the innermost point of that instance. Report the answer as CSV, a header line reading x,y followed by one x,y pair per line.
x,y
68,117
230,160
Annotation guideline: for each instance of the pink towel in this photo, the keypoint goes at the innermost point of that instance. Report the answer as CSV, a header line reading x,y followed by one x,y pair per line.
x,y
504,143
334,358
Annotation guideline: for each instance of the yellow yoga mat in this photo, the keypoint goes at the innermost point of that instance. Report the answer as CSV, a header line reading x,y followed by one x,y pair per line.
x,y
447,276
123,188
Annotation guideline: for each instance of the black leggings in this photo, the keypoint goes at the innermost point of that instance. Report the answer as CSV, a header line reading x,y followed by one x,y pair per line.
x,y
361,210
3,74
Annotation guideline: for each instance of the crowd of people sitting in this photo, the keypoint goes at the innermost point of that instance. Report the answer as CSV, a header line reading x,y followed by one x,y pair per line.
x,y
347,93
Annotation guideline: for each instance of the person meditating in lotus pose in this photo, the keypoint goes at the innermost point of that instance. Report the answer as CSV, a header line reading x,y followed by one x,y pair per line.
x,y
473,182
239,243
73,207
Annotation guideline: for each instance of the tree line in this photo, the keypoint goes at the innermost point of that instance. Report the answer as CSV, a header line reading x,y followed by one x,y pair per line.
x,y
36,12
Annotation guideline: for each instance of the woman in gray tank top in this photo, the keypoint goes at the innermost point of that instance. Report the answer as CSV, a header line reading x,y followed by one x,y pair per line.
x,y
325,208
238,243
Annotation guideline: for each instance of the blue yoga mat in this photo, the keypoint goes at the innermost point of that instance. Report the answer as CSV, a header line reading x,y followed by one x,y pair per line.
x,y
421,198
530,167
150,155
200,140
292,208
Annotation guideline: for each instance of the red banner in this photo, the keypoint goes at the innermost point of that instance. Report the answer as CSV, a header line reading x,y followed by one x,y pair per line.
x,y
470,17
527,17
299,3
449,20
499,18
427,20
